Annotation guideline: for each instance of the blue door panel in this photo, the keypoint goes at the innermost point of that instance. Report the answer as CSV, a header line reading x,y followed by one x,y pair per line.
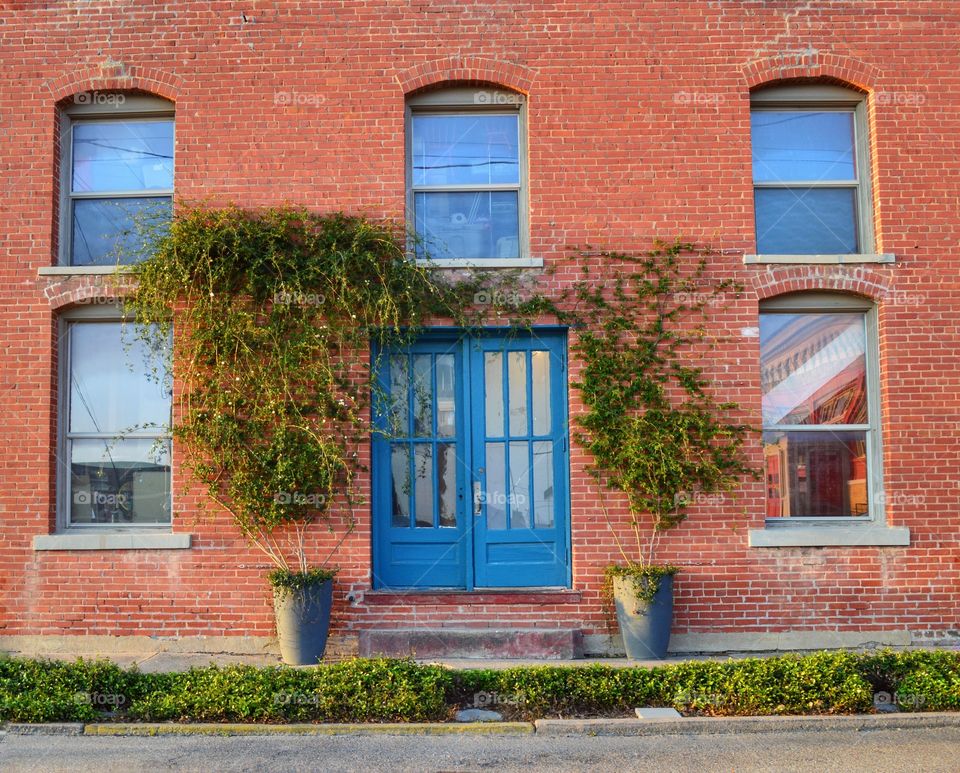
x,y
470,467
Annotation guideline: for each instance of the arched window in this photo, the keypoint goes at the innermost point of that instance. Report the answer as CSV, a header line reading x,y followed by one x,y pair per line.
x,y
467,176
811,171
116,161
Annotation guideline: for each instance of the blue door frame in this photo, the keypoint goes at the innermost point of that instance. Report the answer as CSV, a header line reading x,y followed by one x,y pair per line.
x,y
470,464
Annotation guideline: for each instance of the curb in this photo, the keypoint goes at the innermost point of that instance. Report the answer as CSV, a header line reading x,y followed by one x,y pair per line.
x,y
547,727
727,725
162,728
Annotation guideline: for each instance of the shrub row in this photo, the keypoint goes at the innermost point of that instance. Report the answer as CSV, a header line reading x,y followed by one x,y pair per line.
x,y
383,690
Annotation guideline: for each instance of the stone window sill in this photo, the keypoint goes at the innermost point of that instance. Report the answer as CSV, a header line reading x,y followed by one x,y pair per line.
x,y
483,263
114,540
829,536
440,597
884,257
80,270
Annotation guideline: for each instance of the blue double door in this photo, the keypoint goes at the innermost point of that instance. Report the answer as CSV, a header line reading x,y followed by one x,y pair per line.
x,y
470,463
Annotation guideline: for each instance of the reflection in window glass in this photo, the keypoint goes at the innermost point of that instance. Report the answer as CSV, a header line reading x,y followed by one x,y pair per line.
x,y
816,474
517,380
446,402
519,496
400,484
806,145
540,362
106,231
806,221
493,388
495,496
447,483
543,506
479,224
422,396
813,368
423,488
116,428
399,396
473,149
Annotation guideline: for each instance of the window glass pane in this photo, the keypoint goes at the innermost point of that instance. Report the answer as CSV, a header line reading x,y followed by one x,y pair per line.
x,y
475,149
815,474
540,362
115,386
517,379
543,484
495,496
399,396
423,488
806,221
795,146
123,156
108,230
119,481
422,396
813,368
400,484
447,481
446,404
493,386
519,498
478,224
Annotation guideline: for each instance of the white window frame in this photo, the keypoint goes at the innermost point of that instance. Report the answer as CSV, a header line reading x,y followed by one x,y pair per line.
x,y
131,107
870,529
826,98
471,101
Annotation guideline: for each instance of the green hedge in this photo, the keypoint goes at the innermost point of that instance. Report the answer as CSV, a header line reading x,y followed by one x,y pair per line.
x,y
383,690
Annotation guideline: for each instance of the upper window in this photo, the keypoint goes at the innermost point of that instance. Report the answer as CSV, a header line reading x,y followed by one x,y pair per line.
x,y
117,176
820,425
466,175
115,447
811,171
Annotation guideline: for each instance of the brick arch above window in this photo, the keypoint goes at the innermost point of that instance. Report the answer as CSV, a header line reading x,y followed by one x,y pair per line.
x,y
810,65
452,70
116,77
863,280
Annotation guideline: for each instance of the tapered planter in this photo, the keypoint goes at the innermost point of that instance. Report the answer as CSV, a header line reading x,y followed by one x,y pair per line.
x,y
303,621
645,626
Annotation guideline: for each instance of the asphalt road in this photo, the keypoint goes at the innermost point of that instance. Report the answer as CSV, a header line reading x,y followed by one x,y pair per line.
x,y
890,751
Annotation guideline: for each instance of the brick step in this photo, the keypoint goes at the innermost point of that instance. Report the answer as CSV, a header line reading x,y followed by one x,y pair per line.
x,y
545,644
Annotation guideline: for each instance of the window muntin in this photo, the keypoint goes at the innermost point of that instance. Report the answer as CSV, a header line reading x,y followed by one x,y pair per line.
x,y
811,171
820,437
115,442
117,179
466,174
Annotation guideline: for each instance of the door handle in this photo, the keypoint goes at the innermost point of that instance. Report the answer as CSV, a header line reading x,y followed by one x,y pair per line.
x,y
477,498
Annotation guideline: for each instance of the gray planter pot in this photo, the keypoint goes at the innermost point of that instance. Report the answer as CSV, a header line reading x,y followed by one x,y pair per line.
x,y
645,627
303,621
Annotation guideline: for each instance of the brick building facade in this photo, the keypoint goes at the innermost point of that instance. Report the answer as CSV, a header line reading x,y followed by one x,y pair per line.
x,y
810,144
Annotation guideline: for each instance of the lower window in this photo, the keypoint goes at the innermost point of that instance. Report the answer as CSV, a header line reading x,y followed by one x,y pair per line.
x,y
115,448
820,430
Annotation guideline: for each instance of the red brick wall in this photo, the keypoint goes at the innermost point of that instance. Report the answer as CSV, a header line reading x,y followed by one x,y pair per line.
x,y
638,128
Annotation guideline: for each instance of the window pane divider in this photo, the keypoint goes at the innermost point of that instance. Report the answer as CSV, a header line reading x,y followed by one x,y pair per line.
x,y
479,188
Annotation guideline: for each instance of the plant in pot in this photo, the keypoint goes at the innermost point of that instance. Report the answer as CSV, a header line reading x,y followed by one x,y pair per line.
x,y
274,312
655,432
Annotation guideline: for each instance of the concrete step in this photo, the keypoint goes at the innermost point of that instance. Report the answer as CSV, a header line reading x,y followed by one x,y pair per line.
x,y
490,643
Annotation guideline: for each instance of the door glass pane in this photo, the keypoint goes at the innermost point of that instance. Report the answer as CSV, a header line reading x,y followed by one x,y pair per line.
x,y
517,379
495,496
422,396
475,224
493,388
446,406
815,474
543,484
108,230
119,481
519,499
813,368
399,396
400,488
447,483
476,149
423,488
113,384
793,146
806,221
540,363
121,156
